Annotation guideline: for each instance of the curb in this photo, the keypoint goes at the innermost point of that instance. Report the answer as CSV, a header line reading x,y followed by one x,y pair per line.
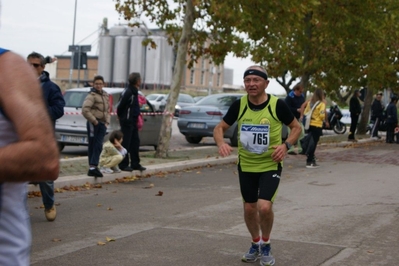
x,y
79,180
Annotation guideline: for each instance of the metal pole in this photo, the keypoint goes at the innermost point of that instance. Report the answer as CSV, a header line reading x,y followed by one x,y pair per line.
x,y
79,62
73,44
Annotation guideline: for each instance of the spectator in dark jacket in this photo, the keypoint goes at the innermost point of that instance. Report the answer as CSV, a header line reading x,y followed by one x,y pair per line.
x,y
392,119
128,111
294,100
55,106
377,110
355,109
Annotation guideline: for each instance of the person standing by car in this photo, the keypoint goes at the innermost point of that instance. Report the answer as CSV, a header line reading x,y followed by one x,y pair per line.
x,y
55,106
392,119
377,110
294,100
355,109
260,117
96,110
128,111
28,152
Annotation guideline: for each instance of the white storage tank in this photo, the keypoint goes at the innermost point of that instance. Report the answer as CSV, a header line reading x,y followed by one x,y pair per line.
x,y
137,56
118,31
121,59
167,63
105,57
153,63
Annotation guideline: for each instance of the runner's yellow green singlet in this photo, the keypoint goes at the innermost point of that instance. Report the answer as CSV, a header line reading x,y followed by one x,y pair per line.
x,y
258,132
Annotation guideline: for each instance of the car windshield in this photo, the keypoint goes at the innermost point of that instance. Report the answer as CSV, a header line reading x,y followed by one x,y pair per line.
x,y
184,98
75,98
220,101
152,97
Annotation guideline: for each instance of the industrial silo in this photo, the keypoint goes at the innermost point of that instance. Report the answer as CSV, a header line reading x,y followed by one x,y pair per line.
x,y
137,51
121,59
105,57
153,63
167,63
118,31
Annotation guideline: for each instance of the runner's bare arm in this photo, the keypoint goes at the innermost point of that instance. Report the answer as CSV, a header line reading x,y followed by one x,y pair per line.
x,y
35,156
218,133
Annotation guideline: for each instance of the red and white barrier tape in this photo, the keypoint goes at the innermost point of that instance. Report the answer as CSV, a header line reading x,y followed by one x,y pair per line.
x,y
144,113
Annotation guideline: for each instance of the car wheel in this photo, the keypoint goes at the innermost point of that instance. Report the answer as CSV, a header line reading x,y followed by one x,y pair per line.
x,y
61,146
233,139
193,140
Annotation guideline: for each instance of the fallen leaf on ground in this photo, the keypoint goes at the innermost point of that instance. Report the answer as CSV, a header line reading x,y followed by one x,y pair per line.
x,y
149,186
56,240
160,193
99,243
109,239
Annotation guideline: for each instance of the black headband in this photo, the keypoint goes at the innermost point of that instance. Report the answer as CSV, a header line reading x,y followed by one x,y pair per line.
x,y
255,72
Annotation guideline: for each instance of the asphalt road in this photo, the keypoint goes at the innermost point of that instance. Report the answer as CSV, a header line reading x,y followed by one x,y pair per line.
x,y
344,213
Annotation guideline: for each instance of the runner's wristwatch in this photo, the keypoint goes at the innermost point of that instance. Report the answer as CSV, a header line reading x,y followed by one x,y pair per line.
x,y
288,145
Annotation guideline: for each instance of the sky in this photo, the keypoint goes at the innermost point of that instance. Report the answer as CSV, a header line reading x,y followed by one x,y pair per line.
x,y
47,27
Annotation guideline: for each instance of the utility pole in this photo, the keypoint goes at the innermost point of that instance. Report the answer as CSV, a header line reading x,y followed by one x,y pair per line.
x,y
73,44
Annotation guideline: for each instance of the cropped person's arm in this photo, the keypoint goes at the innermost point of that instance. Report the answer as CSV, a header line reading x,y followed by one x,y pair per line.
x,y
35,156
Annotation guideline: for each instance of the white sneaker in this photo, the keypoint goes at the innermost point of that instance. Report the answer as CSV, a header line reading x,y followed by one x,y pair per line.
x,y
106,170
116,169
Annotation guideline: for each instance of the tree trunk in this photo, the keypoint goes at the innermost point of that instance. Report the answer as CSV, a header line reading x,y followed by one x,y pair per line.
x,y
365,117
180,65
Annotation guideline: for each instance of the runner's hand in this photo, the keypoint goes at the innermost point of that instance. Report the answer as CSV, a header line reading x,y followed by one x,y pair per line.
x,y
279,153
225,149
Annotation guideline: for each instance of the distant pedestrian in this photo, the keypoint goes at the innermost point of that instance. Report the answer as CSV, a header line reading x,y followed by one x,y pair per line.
x,y
294,100
355,109
113,153
392,119
96,110
377,115
317,106
128,111
28,152
55,106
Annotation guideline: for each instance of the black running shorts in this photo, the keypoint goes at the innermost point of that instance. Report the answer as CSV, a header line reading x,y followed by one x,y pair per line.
x,y
262,185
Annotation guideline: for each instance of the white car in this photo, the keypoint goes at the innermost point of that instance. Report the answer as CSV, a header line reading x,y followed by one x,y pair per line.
x,y
71,129
158,101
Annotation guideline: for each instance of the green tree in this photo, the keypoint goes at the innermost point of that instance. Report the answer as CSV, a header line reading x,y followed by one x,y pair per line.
x,y
190,25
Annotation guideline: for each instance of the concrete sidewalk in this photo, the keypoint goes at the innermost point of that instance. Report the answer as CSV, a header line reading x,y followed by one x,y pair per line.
x,y
73,171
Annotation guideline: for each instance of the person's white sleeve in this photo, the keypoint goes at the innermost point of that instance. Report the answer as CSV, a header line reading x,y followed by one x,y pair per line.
x,y
123,152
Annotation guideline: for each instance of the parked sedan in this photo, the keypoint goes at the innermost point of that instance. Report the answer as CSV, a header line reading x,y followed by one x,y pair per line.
x,y
182,100
198,121
71,128
158,101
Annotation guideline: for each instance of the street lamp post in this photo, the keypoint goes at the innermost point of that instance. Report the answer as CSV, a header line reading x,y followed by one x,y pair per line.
x,y
73,44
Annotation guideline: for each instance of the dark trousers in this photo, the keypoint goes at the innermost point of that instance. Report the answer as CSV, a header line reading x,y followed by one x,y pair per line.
x,y
96,137
131,142
390,132
376,127
315,132
354,119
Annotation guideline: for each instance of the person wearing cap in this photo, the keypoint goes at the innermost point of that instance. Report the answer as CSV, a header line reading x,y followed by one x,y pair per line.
x,y
355,109
392,119
377,110
260,117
